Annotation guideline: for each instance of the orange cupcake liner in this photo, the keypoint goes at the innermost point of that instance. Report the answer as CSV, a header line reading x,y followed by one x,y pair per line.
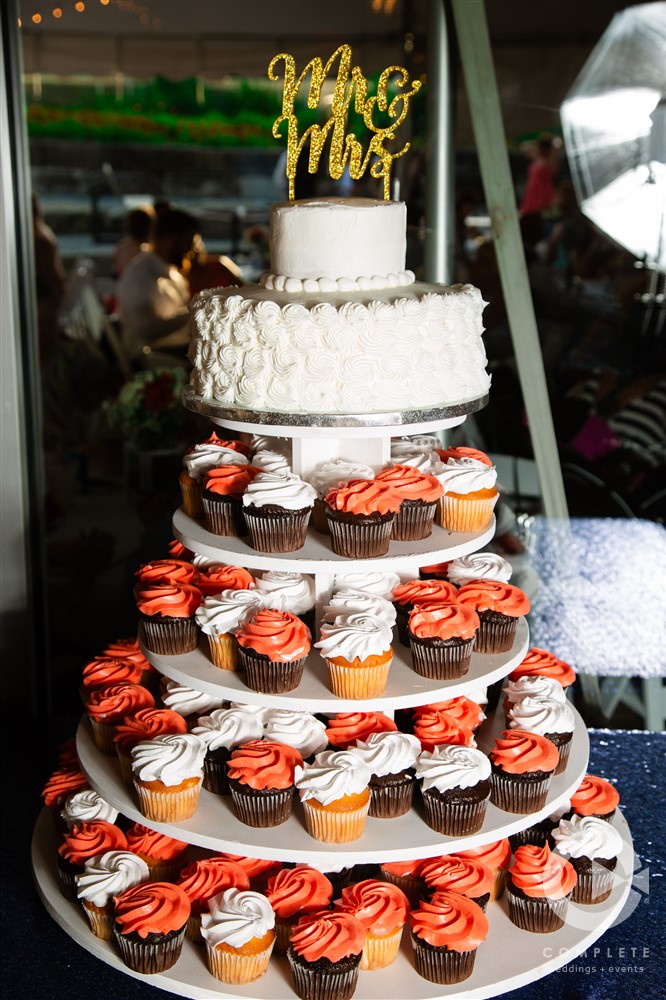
x,y
224,651
463,514
230,967
358,682
335,827
498,885
379,952
169,806
190,491
100,919
103,734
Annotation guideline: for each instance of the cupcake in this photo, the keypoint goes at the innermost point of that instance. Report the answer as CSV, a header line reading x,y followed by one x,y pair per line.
x,y
419,493
325,955
221,497
530,686
107,707
382,909
522,767
468,876
300,730
204,879
105,670
445,934
218,617
188,702
455,789
538,887
285,591
143,725
167,774
277,509
499,606
166,612
87,806
548,717
165,856
469,494
85,840
149,926
129,649
360,518
259,870
103,877
462,709
221,732
335,795
239,934
345,600
406,876
497,856
540,833
346,729
214,577
358,653
595,797
437,728
176,550
441,639
592,846
261,782
62,783
273,646
479,566
407,595
293,892
544,664
329,476
198,461
160,571
391,759
375,583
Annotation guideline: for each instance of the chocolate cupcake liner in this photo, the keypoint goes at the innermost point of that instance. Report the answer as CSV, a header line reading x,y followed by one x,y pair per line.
x,y
414,520
360,540
224,651
284,532
442,965
283,930
317,983
149,957
593,886
308,619
224,517
454,818
462,514
236,968
67,872
102,734
409,884
169,636
335,827
268,676
193,929
536,835
402,621
378,952
100,920
358,682
541,916
393,799
263,808
510,793
496,632
169,805
215,771
125,762
563,743
165,871
441,662
319,520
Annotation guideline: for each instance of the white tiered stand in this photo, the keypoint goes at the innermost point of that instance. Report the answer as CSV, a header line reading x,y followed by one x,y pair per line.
x,y
509,958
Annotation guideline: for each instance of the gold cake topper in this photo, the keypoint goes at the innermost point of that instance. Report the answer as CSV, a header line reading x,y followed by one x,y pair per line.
x,y
344,146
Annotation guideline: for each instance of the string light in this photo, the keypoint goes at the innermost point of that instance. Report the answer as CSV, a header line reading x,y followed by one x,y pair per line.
x,y
36,18
57,13
80,6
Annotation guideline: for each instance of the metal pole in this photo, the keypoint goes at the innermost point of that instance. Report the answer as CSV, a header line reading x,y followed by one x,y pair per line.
x,y
439,150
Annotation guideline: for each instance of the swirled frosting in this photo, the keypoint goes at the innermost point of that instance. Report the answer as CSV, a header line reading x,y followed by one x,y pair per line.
x,y
346,601
205,878
270,461
519,752
229,480
402,868
186,700
151,908
479,566
435,728
587,837
301,730
123,649
171,758
329,934
540,661
109,875
355,637
451,921
283,489
228,728
332,775
329,475
381,907
388,753
287,591
298,890
542,715
436,620
463,476
169,601
364,497
264,764
419,452
255,867
533,686
61,783
220,614
104,670
147,723
448,766
235,917
469,876
595,795
209,455
492,595
215,577
87,805
413,592
279,635
90,839
166,571
496,854
540,874
411,484
346,728
111,704
374,583
456,452
465,711
142,840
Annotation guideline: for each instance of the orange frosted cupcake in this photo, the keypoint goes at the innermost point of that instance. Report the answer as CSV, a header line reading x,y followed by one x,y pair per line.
x,y
497,856
293,892
201,881
360,518
469,494
238,930
259,870
462,710
540,663
216,577
220,615
441,639
334,791
462,451
199,460
143,725
129,649
412,592
62,783
83,841
499,606
382,910
358,653
328,476
419,493
595,797
221,497
346,729
467,876
106,670
273,646
108,706
175,571
167,774
522,767
325,955
261,782
149,926
436,728
538,886
165,856
446,932
166,612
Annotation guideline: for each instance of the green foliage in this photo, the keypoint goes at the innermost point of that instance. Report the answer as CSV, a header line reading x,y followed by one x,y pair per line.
x,y
148,409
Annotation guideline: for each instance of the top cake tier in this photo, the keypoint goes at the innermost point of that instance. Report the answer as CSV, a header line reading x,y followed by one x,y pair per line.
x,y
337,244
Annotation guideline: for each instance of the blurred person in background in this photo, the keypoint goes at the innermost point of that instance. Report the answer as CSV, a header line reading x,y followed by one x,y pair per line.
x,y
139,223
539,192
206,270
49,279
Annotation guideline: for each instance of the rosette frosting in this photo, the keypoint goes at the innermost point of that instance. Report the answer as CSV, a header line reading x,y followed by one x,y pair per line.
x,y
449,766
354,637
282,489
229,480
186,700
151,908
346,728
270,461
381,907
492,595
142,840
469,876
462,709
542,715
87,805
332,775
461,451
111,704
329,475
286,591
109,875
439,620
374,583
62,783
388,753
126,649
166,571
301,730
519,752
209,454
171,758
595,795
217,577
587,837
436,728
328,934
364,497
479,566
90,839
451,921
301,889
541,662
496,854
235,917
533,686
228,728
169,600
422,591
222,613
279,635
540,874
411,484
105,670
147,723
264,764
208,876
347,601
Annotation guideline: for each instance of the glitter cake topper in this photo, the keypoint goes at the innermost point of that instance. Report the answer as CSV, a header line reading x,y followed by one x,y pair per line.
x,y
344,146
